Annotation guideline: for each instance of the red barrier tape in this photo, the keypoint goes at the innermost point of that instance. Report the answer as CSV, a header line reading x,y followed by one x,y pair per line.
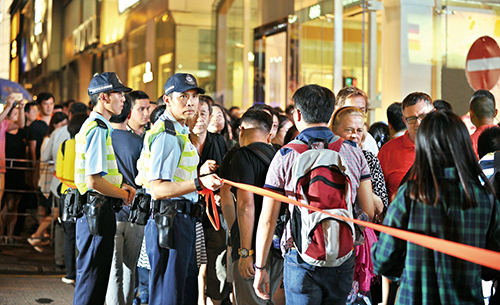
x,y
487,258
208,194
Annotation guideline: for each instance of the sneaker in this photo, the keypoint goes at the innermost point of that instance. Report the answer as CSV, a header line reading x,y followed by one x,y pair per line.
x,y
68,281
37,241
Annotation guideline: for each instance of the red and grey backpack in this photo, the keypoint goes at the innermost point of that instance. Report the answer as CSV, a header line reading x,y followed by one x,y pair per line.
x,y
321,179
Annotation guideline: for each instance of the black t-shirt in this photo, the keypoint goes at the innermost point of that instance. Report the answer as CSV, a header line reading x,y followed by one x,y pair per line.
x,y
37,131
244,166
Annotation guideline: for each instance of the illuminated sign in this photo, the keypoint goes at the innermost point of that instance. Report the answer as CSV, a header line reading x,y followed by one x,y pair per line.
x,y
125,4
40,7
315,11
85,35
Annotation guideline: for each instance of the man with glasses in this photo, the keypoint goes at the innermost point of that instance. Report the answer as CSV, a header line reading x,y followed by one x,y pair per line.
x,y
98,179
397,156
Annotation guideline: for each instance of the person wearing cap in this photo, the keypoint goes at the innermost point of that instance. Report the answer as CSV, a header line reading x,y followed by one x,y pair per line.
x,y
170,161
96,171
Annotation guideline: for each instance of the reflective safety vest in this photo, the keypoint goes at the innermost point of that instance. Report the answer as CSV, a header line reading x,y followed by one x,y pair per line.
x,y
65,165
113,176
188,162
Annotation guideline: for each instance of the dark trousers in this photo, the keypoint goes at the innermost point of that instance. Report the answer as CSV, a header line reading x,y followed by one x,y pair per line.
x,y
173,278
94,261
70,249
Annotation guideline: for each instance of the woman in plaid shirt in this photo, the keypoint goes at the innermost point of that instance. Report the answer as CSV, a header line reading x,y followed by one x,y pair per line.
x,y
445,200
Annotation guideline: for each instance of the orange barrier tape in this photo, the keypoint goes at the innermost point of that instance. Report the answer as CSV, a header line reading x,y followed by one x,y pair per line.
x,y
208,194
69,183
487,258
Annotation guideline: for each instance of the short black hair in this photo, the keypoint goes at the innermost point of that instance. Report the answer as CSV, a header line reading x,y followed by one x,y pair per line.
x,y
395,116
483,107
29,105
58,107
160,101
260,106
488,141
380,132
442,105
315,103
56,118
259,119
94,98
78,107
75,123
120,118
136,95
203,98
482,92
43,97
68,103
415,97
157,113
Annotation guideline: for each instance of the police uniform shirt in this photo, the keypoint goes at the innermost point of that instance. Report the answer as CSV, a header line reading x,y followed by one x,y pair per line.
x,y
166,151
96,154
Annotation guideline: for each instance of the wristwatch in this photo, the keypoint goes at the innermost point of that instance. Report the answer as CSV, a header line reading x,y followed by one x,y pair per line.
x,y
244,253
199,188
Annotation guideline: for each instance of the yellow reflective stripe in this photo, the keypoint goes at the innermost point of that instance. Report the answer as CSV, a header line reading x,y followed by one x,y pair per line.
x,y
113,176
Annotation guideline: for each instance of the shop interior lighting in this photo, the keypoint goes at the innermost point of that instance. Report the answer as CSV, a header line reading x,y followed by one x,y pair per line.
x,y
148,74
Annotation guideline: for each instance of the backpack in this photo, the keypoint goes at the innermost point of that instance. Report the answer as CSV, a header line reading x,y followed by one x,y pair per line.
x,y
321,179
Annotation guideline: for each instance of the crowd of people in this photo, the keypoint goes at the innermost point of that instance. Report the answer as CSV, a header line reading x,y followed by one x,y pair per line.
x,y
421,171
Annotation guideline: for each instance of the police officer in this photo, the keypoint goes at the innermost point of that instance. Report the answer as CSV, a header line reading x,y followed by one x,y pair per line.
x,y
170,161
97,177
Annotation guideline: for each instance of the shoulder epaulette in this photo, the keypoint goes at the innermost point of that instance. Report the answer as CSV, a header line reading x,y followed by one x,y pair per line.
x,y
101,124
169,128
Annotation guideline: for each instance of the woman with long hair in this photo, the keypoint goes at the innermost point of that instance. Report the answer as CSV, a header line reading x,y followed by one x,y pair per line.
x,y
443,198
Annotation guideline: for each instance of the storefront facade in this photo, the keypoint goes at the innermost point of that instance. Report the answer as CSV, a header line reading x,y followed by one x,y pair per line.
x,y
387,48
143,41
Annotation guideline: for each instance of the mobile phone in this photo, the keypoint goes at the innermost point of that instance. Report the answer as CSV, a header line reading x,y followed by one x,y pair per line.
x,y
17,96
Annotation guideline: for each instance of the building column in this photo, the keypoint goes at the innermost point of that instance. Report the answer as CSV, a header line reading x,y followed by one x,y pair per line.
x,y
407,48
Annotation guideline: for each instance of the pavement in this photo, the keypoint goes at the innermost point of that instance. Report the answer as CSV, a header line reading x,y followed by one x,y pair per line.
x,y
20,257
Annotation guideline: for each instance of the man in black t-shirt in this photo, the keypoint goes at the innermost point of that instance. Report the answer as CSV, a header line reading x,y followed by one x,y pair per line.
x,y
249,165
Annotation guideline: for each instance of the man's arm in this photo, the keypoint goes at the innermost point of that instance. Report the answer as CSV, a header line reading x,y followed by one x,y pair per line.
x,y
263,240
100,185
227,205
246,216
163,189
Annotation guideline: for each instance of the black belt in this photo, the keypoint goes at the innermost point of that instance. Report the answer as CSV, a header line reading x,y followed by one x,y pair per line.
x,y
183,206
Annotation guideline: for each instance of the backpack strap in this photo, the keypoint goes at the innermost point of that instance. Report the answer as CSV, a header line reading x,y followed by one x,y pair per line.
x,y
259,153
496,160
169,128
335,144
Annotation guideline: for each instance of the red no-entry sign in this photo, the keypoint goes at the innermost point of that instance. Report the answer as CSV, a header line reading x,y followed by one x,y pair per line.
x,y
483,63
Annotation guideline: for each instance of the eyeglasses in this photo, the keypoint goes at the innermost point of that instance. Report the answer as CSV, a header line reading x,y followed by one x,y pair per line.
x,y
413,119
